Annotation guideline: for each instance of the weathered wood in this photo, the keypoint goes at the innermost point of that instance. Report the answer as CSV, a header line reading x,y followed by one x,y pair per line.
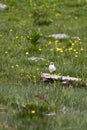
x,y
47,76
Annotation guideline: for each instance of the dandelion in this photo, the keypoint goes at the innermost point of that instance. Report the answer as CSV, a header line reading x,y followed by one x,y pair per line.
x,y
6,52
11,30
61,51
33,111
16,37
27,53
46,64
79,39
12,66
76,52
49,42
16,65
57,15
56,41
75,41
73,44
37,69
81,49
70,49
57,49
40,49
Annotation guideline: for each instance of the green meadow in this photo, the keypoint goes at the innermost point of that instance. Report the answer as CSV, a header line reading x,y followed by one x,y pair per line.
x,y
26,50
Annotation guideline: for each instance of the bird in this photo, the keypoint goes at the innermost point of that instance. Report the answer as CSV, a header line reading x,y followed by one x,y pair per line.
x,y
52,67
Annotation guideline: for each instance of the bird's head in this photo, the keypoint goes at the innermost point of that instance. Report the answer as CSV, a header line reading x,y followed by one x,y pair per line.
x,y
51,63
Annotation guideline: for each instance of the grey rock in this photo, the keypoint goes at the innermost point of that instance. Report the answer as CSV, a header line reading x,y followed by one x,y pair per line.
x,y
35,58
60,36
3,6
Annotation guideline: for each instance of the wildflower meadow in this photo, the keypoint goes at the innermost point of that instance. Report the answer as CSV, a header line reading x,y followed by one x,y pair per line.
x,y
27,46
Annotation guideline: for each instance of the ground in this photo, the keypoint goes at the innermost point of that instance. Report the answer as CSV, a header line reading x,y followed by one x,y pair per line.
x,y
25,30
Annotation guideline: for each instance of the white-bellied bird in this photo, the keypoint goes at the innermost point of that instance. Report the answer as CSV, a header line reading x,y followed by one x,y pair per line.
x,y
52,67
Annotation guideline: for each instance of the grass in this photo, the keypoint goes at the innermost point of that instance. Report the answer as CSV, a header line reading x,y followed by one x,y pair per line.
x,y
24,32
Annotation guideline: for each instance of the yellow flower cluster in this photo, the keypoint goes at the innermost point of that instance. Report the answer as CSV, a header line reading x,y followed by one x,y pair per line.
x,y
75,47
59,49
57,15
17,65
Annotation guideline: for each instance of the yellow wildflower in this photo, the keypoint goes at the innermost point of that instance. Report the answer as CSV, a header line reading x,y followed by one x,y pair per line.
x,y
16,37
11,30
75,41
61,50
70,49
57,49
82,49
56,41
12,66
79,39
49,42
57,15
76,52
27,53
40,49
6,52
37,69
73,44
16,65
33,111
